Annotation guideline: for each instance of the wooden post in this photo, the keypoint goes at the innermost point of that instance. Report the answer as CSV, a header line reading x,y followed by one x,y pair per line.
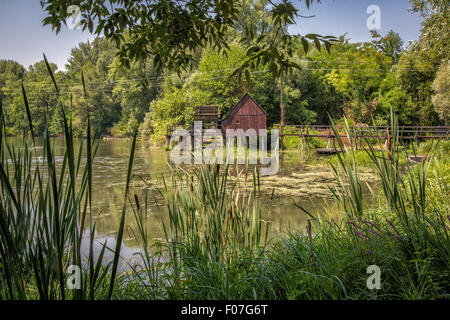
x,y
281,110
329,139
307,146
167,140
168,135
281,100
301,160
358,135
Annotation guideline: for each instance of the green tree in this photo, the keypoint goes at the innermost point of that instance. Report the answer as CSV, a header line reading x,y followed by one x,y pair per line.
x,y
93,60
391,44
175,106
11,77
355,70
317,98
418,65
170,32
392,97
441,87
134,98
10,71
41,97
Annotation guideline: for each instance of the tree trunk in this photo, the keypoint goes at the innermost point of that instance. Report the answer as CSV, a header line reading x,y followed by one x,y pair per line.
x,y
281,100
281,110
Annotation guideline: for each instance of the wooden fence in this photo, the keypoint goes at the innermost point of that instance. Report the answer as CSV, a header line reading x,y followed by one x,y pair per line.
x,y
365,132
359,133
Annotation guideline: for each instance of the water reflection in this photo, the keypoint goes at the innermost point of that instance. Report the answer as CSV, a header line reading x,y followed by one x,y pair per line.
x,y
296,181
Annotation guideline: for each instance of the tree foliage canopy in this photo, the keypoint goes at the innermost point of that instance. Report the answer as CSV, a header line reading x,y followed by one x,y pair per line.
x,y
171,32
441,86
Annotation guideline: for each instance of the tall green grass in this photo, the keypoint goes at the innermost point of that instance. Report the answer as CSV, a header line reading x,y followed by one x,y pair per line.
x,y
408,229
214,222
45,211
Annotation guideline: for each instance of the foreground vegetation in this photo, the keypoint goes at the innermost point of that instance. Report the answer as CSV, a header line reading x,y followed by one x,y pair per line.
x,y
216,244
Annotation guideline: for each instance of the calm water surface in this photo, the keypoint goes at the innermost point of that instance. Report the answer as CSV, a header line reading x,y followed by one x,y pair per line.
x,y
109,175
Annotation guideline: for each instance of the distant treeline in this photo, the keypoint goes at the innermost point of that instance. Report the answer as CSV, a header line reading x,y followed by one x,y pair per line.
x,y
362,81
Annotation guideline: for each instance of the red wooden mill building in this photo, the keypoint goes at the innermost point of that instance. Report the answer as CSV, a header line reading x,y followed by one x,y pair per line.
x,y
246,114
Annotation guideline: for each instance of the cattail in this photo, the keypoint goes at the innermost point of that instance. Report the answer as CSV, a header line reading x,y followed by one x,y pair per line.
x,y
309,230
136,200
217,169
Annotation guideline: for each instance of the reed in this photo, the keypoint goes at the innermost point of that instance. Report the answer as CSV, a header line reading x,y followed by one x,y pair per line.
x,y
213,222
412,221
44,212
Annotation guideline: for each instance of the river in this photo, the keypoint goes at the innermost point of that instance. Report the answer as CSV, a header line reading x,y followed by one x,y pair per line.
x,y
295,183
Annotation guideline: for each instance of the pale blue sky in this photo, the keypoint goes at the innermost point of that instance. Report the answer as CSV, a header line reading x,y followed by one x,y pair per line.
x,y
336,17
24,39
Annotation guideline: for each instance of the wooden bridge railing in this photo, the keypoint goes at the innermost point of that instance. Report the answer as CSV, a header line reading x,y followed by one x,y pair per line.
x,y
358,132
361,132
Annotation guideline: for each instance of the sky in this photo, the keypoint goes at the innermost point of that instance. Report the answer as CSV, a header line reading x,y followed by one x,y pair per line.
x,y
24,39
337,17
